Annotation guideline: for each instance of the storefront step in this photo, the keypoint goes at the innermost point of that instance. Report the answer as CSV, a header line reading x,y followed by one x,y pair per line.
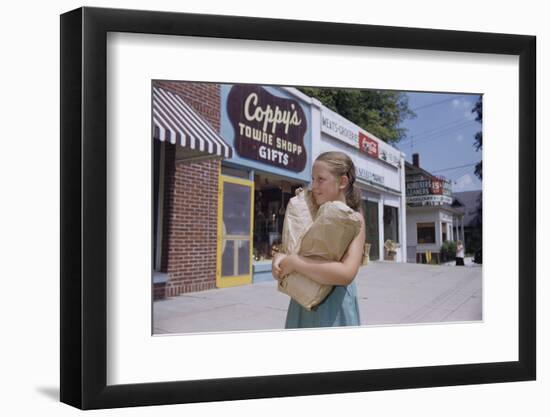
x,y
262,271
159,285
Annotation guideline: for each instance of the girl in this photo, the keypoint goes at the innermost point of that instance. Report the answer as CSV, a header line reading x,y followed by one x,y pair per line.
x,y
333,178
459,253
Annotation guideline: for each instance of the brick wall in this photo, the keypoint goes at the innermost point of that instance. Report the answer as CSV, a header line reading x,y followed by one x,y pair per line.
x,y
191,204
204,98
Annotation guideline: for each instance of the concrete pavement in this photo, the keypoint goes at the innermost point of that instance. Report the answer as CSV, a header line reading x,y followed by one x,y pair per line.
x,y
389,293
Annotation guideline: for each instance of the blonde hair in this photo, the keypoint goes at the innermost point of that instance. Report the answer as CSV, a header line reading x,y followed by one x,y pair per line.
x,y
341,164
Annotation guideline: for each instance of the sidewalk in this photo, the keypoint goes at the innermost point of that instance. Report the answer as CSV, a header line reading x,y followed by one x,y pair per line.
x,y
389,293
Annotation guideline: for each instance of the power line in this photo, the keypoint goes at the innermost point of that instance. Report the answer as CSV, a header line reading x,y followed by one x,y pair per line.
x,y
443,126
438,102
445,129
428,138
451,168
456,176
461,173
456,172
436,135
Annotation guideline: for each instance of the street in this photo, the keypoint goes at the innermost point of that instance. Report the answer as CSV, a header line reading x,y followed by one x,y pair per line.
x,y
389,293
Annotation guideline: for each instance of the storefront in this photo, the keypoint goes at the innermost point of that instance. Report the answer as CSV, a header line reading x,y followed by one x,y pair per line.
x,y
187,150
380,176
270,131
431,219
222,183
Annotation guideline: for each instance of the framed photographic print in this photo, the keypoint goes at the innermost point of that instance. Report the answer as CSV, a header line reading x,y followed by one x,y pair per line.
x,y
188,140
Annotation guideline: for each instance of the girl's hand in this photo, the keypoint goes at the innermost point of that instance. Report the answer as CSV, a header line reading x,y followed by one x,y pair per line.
x,y
276,265
287,265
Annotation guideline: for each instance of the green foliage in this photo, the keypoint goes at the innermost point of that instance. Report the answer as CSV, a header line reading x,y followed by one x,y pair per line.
x,y
448,251
476,237
475,241
478,144
379,112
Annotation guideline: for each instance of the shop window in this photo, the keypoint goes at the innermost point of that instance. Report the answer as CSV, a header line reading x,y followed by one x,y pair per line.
x,y
391,224
425,232
236,209
271,197
444,231
236,228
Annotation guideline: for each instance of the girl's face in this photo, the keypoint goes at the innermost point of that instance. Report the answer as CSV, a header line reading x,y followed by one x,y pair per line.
x,y
325,186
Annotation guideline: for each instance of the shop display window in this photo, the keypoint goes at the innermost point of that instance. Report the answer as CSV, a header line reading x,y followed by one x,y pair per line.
x,y
391,231
270,200
425,232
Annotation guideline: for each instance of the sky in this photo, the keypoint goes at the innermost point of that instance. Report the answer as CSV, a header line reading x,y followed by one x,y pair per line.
x,y
443,135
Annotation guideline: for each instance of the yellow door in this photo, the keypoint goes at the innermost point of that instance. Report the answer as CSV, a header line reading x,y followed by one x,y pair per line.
x,y
235,217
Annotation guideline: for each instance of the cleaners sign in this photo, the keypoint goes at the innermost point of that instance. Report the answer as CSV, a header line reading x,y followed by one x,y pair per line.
x,y
268,129
424,191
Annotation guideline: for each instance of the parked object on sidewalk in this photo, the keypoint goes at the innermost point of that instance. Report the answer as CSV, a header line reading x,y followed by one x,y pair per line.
x,y
366,254
391,251
428,256
323,233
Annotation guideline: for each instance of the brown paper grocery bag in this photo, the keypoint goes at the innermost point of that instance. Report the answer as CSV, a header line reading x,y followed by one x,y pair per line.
x,y
323,232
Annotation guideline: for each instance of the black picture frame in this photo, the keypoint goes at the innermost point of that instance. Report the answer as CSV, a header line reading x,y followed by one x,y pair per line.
x,y
84,206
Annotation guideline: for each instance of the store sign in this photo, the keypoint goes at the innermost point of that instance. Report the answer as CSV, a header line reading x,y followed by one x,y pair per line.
x,y
336,126
369,176
390,157
267,128
368,145
429,200
342,129
429,191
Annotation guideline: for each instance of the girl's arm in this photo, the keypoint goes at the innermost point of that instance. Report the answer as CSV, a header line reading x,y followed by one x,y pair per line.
x,y
329,272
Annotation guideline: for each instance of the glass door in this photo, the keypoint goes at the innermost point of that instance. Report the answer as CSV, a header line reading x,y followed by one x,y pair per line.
x,y
235,216
371,224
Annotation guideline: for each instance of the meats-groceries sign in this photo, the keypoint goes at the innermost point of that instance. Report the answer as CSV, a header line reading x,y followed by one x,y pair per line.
x,y
342,129
268,129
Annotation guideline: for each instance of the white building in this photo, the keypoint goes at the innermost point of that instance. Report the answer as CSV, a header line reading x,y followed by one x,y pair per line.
x,y
430,218
380,170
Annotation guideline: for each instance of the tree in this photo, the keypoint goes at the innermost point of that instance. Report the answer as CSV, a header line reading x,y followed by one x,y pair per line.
x,y
477,233
478,110
378,112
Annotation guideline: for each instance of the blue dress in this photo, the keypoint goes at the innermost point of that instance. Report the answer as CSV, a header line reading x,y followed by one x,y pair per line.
x,y
340,308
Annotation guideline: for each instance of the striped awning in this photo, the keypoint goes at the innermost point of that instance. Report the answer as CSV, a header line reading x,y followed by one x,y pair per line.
x,y
175,121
